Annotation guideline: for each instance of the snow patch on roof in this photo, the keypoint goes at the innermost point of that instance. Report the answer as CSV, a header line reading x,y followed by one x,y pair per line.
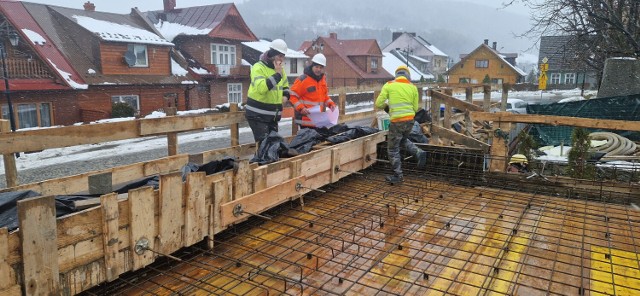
x,y
263,46
391,63
176,69
91,71
119,33
67,77
201,71
171,30
189,82
34,37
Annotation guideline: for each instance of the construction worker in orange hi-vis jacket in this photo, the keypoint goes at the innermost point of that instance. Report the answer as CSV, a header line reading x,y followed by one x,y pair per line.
x,y
310,90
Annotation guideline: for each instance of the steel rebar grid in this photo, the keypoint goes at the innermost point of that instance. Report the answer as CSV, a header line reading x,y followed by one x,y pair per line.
x,y
450,241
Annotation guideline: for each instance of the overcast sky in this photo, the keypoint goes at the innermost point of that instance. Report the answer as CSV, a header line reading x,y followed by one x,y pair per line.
x,y
124,6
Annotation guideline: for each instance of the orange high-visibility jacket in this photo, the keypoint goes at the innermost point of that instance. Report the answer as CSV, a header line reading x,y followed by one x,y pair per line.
x,y
308,92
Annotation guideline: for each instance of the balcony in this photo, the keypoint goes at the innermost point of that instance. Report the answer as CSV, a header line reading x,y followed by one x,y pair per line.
x,y
21,68
233,71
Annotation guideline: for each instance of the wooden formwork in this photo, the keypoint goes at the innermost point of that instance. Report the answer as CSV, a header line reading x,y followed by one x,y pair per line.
x,y
125,233
424,237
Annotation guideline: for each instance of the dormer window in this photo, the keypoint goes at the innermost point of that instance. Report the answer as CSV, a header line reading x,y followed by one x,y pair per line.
x,y
374,64
140,53
223,54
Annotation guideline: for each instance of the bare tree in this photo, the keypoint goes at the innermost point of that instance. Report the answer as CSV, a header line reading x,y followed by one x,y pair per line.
x,y
602,28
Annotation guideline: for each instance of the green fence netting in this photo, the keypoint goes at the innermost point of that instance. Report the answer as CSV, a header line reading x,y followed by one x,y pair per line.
x,y
618,108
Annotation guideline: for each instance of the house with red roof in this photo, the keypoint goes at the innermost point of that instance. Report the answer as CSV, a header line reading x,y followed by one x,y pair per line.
x,y
210,39
355,62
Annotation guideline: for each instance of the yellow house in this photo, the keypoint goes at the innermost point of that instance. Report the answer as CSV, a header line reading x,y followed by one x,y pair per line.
x,y
486,65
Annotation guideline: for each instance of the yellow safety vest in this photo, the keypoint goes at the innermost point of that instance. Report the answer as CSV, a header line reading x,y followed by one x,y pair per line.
x,y
401,96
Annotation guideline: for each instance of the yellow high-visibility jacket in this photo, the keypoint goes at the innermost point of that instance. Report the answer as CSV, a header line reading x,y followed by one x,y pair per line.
x,y
401,96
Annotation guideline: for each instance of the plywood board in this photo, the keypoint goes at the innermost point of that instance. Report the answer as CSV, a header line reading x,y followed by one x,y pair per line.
x,y
8,278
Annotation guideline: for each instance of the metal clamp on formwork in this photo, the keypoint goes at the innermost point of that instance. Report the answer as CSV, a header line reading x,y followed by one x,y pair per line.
x,y
501,134
337,169
238,211
299,187
141,246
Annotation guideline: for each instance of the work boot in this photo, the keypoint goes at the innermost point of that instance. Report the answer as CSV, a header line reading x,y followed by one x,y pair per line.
x,y
394,179
422,159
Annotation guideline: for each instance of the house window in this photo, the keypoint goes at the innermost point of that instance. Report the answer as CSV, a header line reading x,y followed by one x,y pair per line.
x,y
234,92
131,100
293,66
570,78
496,80
374,64
140,52
463,80
30,115
482,63
555,78
223,54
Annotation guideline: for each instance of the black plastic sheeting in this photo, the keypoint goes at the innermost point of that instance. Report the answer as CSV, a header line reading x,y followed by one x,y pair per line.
x,y
273,147
617,108
65,203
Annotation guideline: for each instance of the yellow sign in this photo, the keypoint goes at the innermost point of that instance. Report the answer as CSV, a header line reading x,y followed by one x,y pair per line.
x,y
544,67
542,81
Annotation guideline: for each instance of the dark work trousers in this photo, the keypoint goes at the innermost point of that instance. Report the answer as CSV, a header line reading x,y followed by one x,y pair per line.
x,y
261,129
399,135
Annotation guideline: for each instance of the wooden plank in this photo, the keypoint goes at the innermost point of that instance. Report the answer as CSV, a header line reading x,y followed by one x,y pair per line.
x,y
260,178
120,175
155,126
260,201
357,116
11,291
172,137
38,238
10,169
221,194
171,217
142,227
459,138
112,255
8,278
558,120
505,96
234,128
41,139
454,102
486,103
242,179
195,224
499,151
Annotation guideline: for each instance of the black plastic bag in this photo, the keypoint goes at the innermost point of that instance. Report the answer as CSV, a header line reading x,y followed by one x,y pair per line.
x,y
271,148
305,139
354,133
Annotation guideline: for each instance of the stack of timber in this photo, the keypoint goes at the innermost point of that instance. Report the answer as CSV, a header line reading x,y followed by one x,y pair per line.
x,y
125,233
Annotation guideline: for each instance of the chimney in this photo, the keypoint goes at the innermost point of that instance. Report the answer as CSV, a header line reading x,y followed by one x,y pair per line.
x,y
395,35
88,6
169,5
486,42
495,45
333,35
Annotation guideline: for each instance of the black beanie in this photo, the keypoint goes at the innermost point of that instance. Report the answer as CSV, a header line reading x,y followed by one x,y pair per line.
x,y
272,53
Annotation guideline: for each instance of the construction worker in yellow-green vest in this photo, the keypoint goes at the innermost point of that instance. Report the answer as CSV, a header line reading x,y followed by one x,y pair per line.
x,y
268,89
400,96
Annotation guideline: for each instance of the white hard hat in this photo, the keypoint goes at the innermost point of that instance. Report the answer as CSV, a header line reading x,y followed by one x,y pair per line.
x,y
279,45
319,59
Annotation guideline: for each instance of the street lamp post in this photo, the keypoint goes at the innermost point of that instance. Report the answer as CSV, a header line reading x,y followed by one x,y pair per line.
x,y
7,92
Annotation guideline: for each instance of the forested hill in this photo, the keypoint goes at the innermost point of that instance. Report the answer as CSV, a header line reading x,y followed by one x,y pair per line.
x,y
452,26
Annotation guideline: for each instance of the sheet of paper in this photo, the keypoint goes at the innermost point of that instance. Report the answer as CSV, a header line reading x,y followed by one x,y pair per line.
x,y
323,119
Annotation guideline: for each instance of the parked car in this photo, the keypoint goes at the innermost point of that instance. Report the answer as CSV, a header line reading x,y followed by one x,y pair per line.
x,y
516,106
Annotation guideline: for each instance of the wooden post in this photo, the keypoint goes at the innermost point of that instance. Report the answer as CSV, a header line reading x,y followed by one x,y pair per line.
x,y
486,103
171,215
499,150
142,226
505,96
172,138
234,128
39,241
10,169
468,91
195,212
294,125
447,110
